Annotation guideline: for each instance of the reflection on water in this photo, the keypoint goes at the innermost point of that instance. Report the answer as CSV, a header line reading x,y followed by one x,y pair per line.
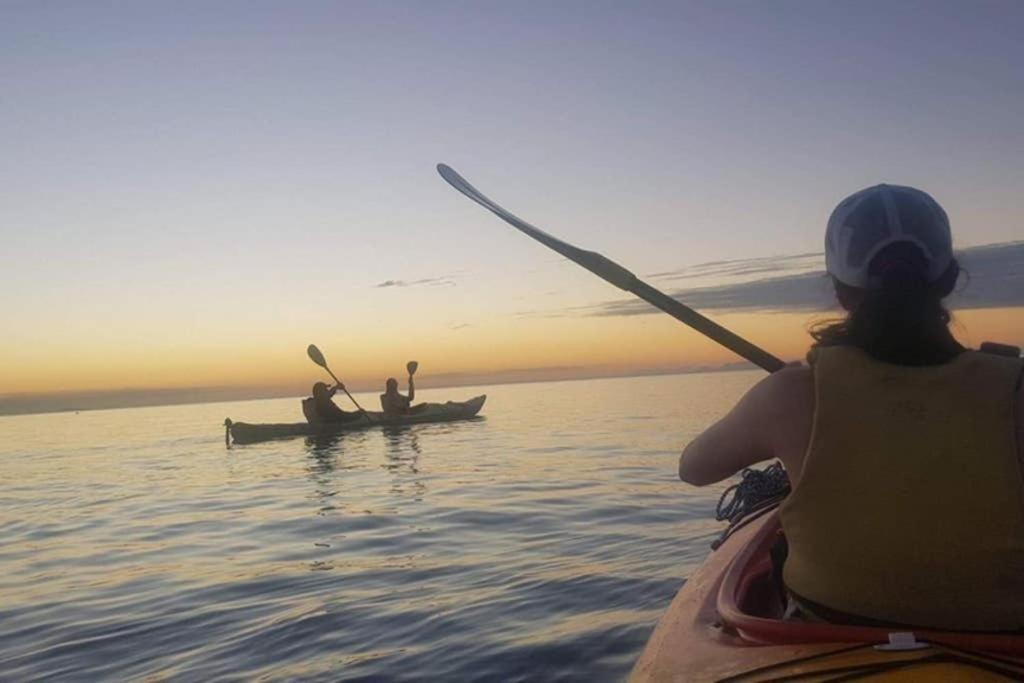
x,y
542,541
403,448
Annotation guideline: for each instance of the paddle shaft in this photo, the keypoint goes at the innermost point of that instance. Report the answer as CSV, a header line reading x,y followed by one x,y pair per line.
x,y
612,272
340,384
615,274
709,328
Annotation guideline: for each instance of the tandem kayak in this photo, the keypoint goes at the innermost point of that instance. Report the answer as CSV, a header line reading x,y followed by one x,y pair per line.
x,y
725,624
244,432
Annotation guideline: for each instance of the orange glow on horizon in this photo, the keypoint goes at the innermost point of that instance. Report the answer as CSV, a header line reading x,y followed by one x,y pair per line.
x,y
547,347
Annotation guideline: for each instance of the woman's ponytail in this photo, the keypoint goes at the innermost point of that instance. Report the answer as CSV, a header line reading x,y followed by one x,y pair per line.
x,y
900,318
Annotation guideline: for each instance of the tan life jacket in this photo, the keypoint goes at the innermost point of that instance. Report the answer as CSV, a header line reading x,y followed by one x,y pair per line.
x,y
910,504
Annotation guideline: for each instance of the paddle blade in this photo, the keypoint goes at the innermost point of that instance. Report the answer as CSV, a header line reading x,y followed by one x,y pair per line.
x,y
592,261
411,366
316,356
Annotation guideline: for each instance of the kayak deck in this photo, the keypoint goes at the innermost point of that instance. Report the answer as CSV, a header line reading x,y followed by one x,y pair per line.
x,y
726,624
245,433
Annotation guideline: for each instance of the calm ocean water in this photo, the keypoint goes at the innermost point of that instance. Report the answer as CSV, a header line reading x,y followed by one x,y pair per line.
x,y
542,542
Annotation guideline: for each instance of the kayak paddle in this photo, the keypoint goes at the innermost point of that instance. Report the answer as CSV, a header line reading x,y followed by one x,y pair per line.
x,y
608,270
318,358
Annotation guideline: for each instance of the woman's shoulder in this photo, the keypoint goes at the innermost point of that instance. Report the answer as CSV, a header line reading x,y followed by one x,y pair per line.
x,y
791,380
783,395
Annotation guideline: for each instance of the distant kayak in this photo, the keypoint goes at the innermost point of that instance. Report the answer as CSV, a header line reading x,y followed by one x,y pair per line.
x,y
244,432
727,624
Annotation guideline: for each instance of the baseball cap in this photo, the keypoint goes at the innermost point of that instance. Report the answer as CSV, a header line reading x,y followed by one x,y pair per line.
x,y
870,220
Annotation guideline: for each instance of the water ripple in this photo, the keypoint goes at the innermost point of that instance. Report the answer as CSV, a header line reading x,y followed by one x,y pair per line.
x,y
539,543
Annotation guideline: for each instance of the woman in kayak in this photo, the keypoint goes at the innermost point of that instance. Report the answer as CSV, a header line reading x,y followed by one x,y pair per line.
x,y
393,403
326,409
903,448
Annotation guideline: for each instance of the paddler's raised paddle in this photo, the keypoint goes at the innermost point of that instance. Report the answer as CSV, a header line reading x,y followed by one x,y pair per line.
x,y
608,270
318,358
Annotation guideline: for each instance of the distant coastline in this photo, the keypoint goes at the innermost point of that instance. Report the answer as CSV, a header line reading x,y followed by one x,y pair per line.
x,y
80,401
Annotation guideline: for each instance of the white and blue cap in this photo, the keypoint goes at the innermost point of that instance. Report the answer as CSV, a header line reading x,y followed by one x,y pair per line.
x,y
868,221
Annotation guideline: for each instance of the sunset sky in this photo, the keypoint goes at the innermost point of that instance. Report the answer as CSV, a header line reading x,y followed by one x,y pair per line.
x,y
192,192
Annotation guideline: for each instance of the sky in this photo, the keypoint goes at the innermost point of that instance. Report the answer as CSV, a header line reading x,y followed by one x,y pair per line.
x,y
192,192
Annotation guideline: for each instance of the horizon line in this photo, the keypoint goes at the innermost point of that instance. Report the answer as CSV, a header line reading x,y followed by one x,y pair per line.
x,y
27,408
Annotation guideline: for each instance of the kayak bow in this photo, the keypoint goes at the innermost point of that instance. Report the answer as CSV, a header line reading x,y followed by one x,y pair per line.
x,y
726,624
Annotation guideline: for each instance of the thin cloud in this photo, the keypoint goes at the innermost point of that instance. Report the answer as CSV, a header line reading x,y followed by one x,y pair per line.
x,y
804,292
993,278
443,281
745,267
571,311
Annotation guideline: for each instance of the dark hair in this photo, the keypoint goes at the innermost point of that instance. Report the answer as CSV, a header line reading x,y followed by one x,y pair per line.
x,y
902,321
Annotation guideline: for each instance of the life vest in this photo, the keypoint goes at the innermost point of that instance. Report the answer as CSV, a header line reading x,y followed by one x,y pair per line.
x,y
309,411
910,504
394,404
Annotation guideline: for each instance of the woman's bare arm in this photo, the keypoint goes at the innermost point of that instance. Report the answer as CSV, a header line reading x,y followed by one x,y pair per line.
x,y
773,420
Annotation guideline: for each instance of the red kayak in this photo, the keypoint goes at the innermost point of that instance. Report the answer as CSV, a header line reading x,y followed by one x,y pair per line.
x,y
726,624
